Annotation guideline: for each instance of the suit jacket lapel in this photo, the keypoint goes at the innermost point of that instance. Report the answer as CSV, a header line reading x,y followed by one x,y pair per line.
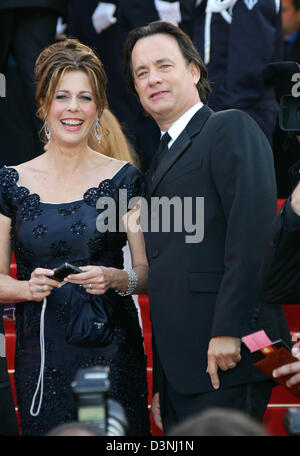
x,y
179,146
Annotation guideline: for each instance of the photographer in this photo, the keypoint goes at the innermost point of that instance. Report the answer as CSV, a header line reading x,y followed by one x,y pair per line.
x,y
280,270
286,147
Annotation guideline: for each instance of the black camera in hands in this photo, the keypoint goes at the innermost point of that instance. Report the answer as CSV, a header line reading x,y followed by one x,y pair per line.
x,y
285,78
91,387
289,115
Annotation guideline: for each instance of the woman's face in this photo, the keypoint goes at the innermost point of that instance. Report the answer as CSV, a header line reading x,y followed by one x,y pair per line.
x,y
73,111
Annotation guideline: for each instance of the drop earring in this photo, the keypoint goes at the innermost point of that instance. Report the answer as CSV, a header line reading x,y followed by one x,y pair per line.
x,y
98,131
47,130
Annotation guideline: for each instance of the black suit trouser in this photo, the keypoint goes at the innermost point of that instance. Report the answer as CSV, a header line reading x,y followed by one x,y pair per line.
x,y
249,398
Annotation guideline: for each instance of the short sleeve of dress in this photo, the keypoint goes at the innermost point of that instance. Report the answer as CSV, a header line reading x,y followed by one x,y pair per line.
x,y
133,181
8,178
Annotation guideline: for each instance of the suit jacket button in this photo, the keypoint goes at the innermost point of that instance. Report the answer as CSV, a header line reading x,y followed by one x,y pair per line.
x,y
155,254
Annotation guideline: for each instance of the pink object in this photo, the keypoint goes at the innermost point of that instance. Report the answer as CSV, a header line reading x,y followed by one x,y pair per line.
x,y
256,341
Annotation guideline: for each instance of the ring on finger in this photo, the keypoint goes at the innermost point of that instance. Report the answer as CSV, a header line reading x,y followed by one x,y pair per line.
x,y
42,288
232,364
90,286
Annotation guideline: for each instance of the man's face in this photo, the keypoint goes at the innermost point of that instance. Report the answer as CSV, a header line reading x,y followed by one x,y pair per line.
x,y
290,17
165,83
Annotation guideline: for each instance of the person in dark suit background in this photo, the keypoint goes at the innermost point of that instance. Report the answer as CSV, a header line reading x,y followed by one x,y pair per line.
x,y
26,27
241,37
280,274
286,146
291,27
136,13
204,293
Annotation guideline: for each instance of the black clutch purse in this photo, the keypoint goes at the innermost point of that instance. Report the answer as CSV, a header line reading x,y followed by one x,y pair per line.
x,y
88,320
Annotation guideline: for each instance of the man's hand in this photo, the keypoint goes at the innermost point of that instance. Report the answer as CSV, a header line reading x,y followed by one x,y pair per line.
x,y
295,200
155,410
292,368
223,352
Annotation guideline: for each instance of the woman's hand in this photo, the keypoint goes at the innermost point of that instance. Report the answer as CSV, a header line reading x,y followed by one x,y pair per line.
x,y
40,284
95,279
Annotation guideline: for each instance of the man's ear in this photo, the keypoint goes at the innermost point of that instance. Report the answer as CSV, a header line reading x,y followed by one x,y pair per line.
x,y
195,71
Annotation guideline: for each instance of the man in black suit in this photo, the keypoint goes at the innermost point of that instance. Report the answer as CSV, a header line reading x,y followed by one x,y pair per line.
x,y
203,288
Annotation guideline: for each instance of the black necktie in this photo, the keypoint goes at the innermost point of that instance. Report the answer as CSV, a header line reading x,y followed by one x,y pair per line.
x,y
162,148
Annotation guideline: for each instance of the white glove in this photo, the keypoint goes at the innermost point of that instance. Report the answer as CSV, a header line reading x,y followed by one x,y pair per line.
x,y
168,11
60,29
103,16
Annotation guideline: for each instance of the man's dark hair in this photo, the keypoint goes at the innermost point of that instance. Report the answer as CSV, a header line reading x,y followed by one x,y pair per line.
x,y
216,421
185,44
296,4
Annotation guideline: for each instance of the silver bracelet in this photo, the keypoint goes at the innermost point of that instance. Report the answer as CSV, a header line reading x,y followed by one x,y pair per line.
x,y
132,283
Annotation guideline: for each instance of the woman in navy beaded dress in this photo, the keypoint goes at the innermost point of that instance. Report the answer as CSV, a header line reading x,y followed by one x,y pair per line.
x,y
48,214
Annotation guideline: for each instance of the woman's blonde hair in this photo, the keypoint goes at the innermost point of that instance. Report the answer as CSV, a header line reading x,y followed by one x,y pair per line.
x,y
114,142
59,58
